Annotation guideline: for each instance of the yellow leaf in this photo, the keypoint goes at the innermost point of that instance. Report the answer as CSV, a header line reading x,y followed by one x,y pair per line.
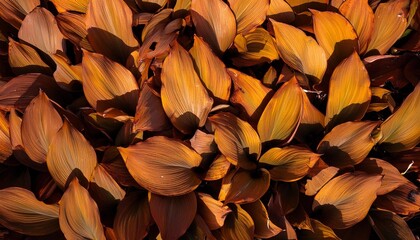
x,y
212,211
162,166
71,5
401,130
238,225
360,15
79,214
5,139
184,98
348,143
107,84
283,113
21,212
299,51
303,5
218,169
264,228
40,124
14,11
313,185
280,11
237,140
214,22
346,199
210,69
24,59
349,93
249,14
108,23
70,154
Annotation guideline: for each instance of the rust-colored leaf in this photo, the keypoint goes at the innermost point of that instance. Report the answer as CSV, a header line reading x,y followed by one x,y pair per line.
x,y
320,231
66,75
389,225
73,27
404,200
104,189
217,169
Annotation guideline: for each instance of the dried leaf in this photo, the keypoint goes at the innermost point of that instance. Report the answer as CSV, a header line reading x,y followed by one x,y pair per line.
x,y
66,75
73,26
24,59
404,200
249,14
312,122
313,185
212,211
264,228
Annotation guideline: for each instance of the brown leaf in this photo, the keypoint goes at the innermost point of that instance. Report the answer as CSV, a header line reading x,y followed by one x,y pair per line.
x,y
320,231
14,11
313,185
238,225
389,225
73,27
212,211
404,200
66,75
264,228
5,139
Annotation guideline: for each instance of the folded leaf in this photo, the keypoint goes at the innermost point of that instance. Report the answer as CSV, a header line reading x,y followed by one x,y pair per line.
x,y
24,59
162,166
70,154
79,214
5,139
360,15
289,163
21,212
346,199
264,228
14,11
108,23
249,14
210,69
283,113
317,182
299,51
133,218
214,22
184,98
389,225
173,215
212,211
71,5
40,124
349,93
401,130
107,84
348,143
238,225
237,140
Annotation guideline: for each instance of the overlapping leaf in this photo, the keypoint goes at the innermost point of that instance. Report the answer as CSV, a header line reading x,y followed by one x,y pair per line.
x,y
264,228
238,225
212,211
14,11
24,59
5,139
249,14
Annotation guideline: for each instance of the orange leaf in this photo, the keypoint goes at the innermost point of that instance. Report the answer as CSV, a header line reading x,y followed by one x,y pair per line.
x,y
389,225
215,22
238,225
73,26
24,59
5,139
79,214
404,200
212,211
346,199
173,215
320,231
184,98
264,228
71,5
162,165
14,11
313,185
280,11
66,75
312,122
249,14
217,169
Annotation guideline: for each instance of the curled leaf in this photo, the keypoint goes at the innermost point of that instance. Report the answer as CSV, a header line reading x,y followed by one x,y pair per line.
x,y
389,225
66,75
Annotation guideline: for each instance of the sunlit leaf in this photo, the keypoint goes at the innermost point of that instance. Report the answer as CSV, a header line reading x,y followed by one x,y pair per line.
x,y
210,69
108,84
349,93
14,11
133,218
303,5
404,200
21,212
215,22
360,15
289,163
346,199
320,231
79,214
264,228
212,211
184,98
40,123
5,138
217,169
73,26
280,11
24,59
312,122
299,51
237,140
71,5
39,28
401,130
389,225
317,182
283,113
108,23
162,166
249,14
348,143
66,75
104,188
238,225
173,215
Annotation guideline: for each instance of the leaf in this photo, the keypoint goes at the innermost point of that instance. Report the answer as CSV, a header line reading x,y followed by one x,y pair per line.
x,y
212,211
348,143
320,232
360,15
217,169
313,185
66,75
70,154
24,59
248,92
5,139
390,23
15,130
14,11
71,5
184,98
290,163
133,218
237,140
346,199
247,186
349,93
73,27
283,113
249,15
280,11
39,28
108,23
173,215
311,123
214,22
264,228
405,200
79,214
21,212
210,69
299,51
238,225
40,124
162,166
401,130
389,225
107,84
